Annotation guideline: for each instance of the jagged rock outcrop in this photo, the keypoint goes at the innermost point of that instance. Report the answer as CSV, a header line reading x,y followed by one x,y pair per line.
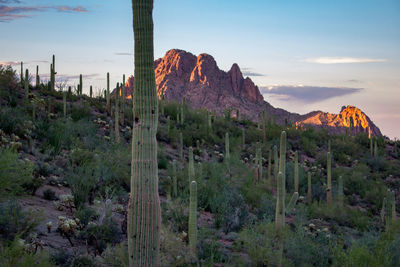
x,y
350,118
180,74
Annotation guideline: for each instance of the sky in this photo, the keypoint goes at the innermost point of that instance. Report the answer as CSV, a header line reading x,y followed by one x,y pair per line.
x,y
304,55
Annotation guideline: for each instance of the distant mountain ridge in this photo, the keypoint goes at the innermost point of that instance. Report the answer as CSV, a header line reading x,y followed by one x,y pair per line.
x,y
203,85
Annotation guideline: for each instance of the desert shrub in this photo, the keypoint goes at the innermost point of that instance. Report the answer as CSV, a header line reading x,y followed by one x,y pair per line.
x,y
49,194
344,216
61,258
83,261
266,210
14,221
308,146
16,255
80,112
14,174
176,213
86,215
259,242
173,249
117,256
15,121
81,180
209,248
8,79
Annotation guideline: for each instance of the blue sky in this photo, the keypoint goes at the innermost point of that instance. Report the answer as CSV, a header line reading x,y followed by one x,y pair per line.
x,y
351,48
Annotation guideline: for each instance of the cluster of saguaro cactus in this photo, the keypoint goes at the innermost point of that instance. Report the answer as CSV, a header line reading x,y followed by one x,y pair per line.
x,y
227,150
193,218
296,171
329,178
116,113
144,225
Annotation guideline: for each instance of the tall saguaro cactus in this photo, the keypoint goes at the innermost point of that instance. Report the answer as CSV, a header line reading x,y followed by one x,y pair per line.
x,y
329,179
191,165
296,172
26,83
193,218
116,112
53,74
37,77
144,218
108,94
280,203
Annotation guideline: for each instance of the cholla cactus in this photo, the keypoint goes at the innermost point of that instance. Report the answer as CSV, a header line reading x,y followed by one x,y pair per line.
x,y
49,225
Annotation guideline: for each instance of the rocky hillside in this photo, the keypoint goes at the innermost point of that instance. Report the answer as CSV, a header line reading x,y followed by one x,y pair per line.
x,y
180,74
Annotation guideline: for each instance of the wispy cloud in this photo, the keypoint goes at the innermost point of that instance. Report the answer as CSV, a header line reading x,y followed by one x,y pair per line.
x,y
343,60
9,13
123,54
70,77
10,63
250,73
10,2
307,94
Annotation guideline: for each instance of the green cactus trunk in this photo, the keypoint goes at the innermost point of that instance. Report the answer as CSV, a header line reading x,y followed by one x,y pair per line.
x,y
329,179
26,83
193,218
340,192
174,179
276,164
144,216
53,74
182,117
280,204
269,171
91,92
309,192
123,97
191,165
37,77
181,147
296,172
80,84
108,94
227,152
116,113
329,145
64,104
22,74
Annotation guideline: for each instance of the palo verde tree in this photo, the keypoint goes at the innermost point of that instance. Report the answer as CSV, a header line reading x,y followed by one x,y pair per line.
x,y
144,221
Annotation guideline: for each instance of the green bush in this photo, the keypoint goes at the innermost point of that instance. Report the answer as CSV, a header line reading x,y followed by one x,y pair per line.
x,y
14,221
14,174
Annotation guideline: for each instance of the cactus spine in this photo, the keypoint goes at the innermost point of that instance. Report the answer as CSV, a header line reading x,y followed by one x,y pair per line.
x,y
309,193
296,172
27,83
193,218
37,77
108,94
340,191
144,225
116,111
227,152
329,179
191,165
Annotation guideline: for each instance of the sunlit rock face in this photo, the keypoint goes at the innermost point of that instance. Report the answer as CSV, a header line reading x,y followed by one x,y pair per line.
x,y
198,79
